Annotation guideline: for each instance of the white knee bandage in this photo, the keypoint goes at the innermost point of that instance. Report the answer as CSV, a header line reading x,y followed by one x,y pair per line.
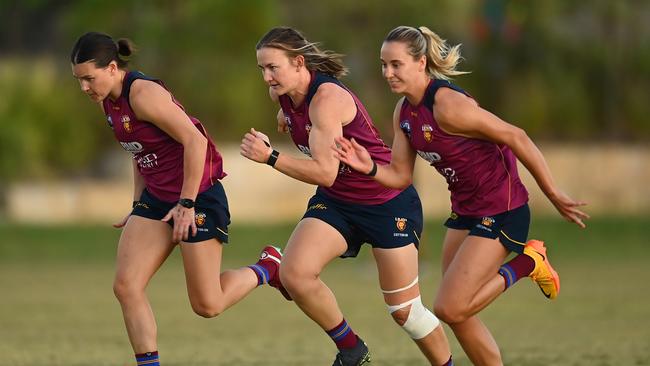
x,y
420,321
415,281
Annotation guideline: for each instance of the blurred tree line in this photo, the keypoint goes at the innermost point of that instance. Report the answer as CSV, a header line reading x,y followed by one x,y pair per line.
x,y
563,70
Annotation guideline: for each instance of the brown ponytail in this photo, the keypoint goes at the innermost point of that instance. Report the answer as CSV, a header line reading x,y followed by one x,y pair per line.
x,y
294,44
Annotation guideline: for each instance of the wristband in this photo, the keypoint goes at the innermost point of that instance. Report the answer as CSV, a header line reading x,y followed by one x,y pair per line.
x,y
273,157
186,202
373,171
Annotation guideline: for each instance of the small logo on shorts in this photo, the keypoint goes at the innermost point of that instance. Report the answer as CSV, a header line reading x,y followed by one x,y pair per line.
x,y
400,222
140,204
199,218
453,216
318,206
487,221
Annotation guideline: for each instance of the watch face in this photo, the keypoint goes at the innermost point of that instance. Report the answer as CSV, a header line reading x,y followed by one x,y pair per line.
x,y
186,202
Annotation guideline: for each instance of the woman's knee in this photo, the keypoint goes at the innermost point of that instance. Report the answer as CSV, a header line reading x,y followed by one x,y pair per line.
x,y
449,313
296,278
126,290
207,308
401,316
416,320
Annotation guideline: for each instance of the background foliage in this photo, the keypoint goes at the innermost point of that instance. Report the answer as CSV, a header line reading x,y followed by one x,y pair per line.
x,y
563,70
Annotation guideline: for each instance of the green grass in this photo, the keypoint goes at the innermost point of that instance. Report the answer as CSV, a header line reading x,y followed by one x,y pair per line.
x,y
57,307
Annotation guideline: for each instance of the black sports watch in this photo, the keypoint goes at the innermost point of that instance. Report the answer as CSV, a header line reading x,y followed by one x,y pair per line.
x,y
186,202
273,157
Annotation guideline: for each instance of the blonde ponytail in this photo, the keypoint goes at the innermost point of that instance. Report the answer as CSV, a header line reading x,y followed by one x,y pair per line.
x,y
442,60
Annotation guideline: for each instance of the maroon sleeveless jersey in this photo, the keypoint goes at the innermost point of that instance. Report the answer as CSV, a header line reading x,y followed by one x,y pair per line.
x,y
158,155
350,185
481,175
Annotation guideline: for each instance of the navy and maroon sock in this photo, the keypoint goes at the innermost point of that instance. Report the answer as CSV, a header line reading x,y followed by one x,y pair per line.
x,y
147,359
343,335
264,270
519,267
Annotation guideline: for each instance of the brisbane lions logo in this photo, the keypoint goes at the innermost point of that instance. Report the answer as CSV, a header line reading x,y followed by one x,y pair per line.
x,y
487,221
427,132
400,222
126,123
200,219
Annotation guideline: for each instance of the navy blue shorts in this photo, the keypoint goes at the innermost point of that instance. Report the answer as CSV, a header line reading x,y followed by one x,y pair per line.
x,y
393,224
210,213
511,227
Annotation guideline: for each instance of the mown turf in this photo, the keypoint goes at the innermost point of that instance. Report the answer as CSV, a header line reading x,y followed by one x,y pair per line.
x,y
57,307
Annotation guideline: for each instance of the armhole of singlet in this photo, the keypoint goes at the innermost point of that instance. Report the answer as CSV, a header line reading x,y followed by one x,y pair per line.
x,y
128,81
320,79
430,94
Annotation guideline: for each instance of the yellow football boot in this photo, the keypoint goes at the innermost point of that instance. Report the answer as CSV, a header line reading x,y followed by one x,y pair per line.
x,y
543,274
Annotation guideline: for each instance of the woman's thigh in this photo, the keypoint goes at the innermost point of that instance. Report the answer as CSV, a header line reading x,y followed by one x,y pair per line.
x,y
143,247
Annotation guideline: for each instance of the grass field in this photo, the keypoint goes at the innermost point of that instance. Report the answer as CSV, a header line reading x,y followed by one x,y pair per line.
x,y
57,307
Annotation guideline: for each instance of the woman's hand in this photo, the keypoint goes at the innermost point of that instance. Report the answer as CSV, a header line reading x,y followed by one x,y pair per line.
x,y
350,153
120,224
283,126
183,221
568,208
256,146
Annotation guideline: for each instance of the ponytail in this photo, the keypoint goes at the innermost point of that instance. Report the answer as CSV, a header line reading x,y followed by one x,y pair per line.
x,y
294,44
442,60
125,47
